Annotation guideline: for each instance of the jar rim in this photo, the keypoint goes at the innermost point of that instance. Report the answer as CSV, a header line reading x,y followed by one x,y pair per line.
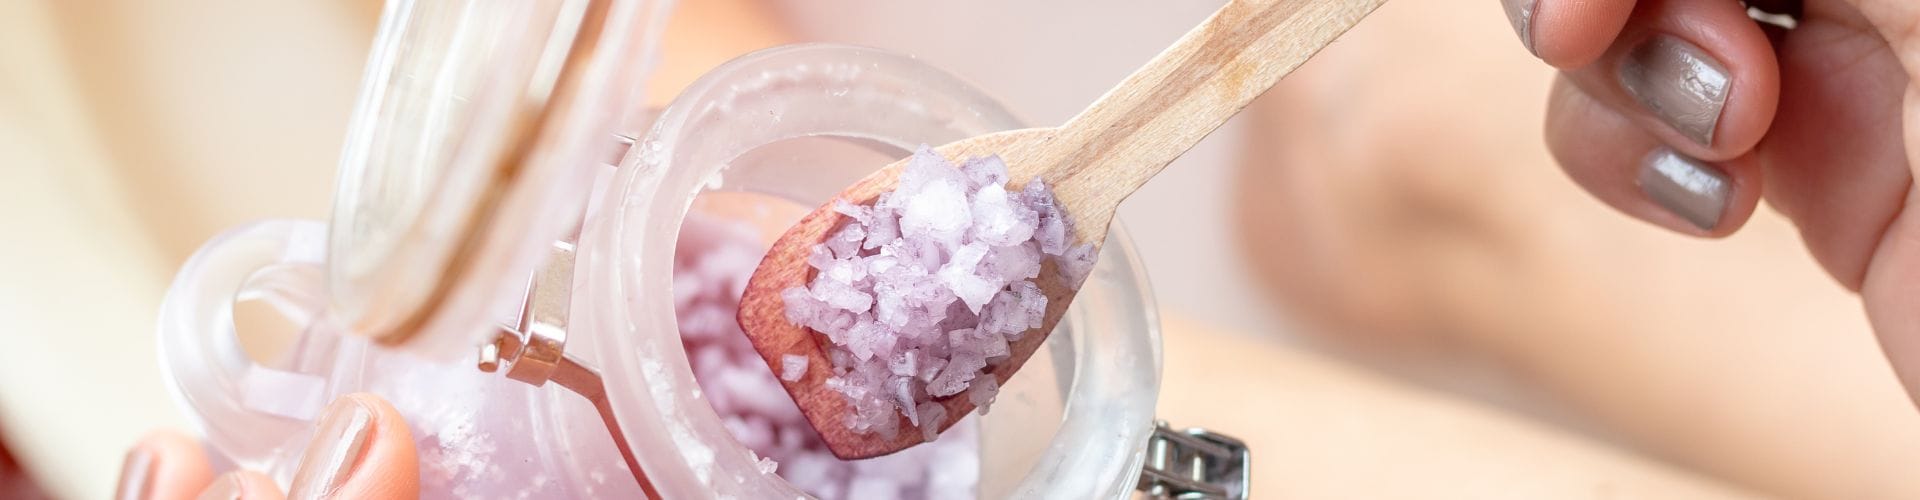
x,y
627,251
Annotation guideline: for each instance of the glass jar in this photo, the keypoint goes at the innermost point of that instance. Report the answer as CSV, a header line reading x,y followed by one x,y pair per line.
x,y
844,112
792,123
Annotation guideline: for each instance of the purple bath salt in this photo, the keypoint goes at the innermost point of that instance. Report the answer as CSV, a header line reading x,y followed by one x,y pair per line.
x,y
708,272
921,292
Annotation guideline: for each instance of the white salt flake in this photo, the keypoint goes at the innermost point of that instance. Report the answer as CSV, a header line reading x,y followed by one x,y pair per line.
x,y
998,221
939,213
792,367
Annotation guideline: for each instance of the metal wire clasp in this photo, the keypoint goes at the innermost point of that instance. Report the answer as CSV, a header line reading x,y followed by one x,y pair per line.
x,y
1195,464
534,351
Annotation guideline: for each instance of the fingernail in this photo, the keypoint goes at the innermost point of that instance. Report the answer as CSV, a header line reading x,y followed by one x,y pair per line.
x,y
336,447
136,475
1693,190
1520,13
225,488
1679,83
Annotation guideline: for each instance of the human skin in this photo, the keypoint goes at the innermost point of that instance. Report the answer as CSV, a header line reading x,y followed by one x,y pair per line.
x,y
1837,159
1414,224
1322,428
385,468
1414,442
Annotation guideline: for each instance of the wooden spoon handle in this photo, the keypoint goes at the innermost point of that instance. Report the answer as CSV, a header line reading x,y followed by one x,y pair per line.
x,y
1186,92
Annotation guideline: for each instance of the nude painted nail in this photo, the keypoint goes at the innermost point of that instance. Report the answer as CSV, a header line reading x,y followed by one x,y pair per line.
x,y
1679,83
1695,191
136,475
1520,13
343,433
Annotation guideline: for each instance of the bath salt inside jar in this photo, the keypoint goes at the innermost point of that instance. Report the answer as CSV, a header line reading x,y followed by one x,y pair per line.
x,y
712,261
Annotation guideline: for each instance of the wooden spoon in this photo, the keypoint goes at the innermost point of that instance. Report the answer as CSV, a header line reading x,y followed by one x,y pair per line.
x,y
1093,162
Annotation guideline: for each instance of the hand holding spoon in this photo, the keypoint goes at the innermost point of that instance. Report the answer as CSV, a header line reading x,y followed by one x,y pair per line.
x,y
1093,162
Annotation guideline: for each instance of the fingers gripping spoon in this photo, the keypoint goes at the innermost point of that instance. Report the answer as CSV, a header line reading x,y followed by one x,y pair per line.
x,y
1093,162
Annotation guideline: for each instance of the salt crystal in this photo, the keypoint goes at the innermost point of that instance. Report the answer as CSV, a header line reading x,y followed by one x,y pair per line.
x,y
861,213
961,275
985,171
754,433
811,470
965,259
700,320
792,367
930,368
939,213
890,309
884,229
873,487
998,221
846,242
906,365
972,289
841,360
751,391
846,271
961,368
988,344
1052,228
1032,302
685,289
902,391
982,392
927,167
1076,264
1052,235
795,438
881,264
1013,263
819,257
842,295
801,307
729,264
932,415
868,338
1002,316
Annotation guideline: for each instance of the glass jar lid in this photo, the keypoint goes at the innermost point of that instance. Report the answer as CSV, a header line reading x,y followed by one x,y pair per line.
x,y
470,149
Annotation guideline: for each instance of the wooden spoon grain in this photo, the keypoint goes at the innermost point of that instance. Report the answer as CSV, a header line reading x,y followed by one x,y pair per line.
x,y
1092,162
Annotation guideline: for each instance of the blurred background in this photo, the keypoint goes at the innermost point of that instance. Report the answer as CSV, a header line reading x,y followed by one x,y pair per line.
x,y
1376,275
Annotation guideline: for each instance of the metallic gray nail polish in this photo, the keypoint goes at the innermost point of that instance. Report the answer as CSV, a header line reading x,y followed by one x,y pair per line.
x,y
1695,191
136,475
343,433
1679,83
1520,13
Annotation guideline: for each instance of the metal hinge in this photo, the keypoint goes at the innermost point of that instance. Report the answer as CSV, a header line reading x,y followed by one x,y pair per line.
x,y
534,352
1195,464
